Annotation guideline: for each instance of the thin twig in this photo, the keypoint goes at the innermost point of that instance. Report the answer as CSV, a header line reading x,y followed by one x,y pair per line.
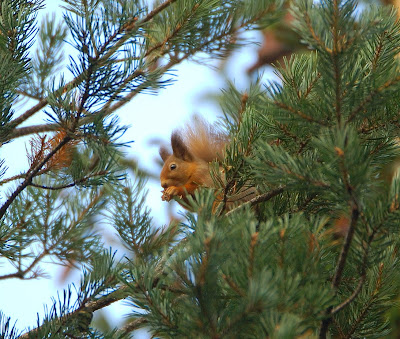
x,y
53,188
368,305
72,184
19,176
363,274
351,297
233,285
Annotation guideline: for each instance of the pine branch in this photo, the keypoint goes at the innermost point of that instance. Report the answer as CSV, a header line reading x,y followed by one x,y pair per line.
x,y
354,295
108,108
72,184
311,85
233,285
160,311
363,275
75,82
253,243
31,175
48,250
63,142
43,102
85,307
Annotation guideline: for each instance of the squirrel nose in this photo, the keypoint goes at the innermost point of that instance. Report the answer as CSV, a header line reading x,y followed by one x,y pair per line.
x,y
164,184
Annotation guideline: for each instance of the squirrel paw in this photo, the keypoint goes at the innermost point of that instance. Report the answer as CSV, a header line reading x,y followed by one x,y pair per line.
x,y
170,192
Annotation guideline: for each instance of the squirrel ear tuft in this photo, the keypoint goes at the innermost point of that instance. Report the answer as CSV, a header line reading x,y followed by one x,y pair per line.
x,y
179,148
164,153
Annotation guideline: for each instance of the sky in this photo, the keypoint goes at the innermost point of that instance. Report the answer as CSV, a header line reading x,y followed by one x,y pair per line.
x,y
148,116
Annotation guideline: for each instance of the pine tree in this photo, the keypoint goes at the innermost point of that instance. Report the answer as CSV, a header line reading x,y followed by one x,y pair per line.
x,y
313,255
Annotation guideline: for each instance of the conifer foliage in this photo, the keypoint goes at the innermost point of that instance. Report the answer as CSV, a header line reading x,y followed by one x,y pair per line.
x,y
314,254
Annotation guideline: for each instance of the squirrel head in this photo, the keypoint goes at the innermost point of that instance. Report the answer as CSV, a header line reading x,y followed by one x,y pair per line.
x,y
178,166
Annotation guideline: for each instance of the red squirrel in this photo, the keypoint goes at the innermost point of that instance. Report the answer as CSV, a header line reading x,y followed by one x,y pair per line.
x,y
187,168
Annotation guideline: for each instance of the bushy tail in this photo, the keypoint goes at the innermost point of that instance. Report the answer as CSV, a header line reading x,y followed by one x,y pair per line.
x,y
204,140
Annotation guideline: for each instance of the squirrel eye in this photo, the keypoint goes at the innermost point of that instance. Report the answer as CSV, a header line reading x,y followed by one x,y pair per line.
x,y
172,166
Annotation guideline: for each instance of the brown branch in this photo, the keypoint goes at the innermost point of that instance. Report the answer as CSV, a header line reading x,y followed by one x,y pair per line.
x,y
355,213
283,128
378,51
352,296
363,274
41,104
362,279
86,307
53,188
31,175
339,269
132,325
368,305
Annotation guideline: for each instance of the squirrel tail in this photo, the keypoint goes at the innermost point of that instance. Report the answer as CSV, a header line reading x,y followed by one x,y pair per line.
x,y
204,140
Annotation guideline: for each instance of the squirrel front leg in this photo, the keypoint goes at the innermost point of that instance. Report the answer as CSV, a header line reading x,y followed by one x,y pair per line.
x,y
179,191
